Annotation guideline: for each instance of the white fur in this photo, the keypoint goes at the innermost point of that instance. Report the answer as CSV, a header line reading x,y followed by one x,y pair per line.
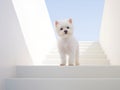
x,y
67,44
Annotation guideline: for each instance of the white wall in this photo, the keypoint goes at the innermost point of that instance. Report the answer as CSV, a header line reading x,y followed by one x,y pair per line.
x,y
36,27
12,46
110,31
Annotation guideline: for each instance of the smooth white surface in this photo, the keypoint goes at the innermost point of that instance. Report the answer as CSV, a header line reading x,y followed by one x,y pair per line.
x,y
13,49
110,31
36,27
68,72
63,84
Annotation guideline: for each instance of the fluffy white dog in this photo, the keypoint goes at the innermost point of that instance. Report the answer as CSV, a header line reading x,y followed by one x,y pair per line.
x,y
67,44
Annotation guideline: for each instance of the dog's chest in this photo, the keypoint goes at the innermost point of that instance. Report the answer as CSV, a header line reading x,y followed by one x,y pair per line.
x,y
66,46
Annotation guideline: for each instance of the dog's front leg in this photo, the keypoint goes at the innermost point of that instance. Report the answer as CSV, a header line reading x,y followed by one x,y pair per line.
x,y
63,59
71,58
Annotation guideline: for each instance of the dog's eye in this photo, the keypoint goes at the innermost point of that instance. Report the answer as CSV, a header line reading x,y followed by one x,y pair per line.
x,y
61,28
68,27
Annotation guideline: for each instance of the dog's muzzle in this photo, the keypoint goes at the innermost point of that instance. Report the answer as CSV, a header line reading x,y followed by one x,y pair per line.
x,y
66,31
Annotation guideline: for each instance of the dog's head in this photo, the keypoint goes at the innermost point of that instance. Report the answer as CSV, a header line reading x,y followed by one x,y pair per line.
x,y
64,28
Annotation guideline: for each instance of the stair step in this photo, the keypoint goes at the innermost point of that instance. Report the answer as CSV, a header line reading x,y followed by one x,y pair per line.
x,y
84,48
63,84
81,53
88,43
68,71
82,62
81,59
81,56
84,51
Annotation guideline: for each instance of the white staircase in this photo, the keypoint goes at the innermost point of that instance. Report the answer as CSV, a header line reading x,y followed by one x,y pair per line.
x,y
65,78
91,53
94,73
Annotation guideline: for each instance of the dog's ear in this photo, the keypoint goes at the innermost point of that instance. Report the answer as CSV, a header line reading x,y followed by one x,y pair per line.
x,y
56,23
70,20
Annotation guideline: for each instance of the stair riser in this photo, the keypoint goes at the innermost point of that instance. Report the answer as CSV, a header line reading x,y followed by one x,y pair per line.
x,y
68,72
63,84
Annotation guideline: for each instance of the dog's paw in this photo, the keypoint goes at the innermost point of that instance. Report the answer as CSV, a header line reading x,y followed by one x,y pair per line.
x,y
71,64
77,64
62,64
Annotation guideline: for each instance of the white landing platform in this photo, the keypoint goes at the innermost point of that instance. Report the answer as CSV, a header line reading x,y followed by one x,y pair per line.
x,y
65,78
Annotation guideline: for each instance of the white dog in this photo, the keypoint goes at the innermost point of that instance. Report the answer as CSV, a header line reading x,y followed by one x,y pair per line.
x,y
67,44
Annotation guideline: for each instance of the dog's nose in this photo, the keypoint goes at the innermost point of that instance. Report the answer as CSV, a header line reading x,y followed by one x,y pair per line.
x,y
65,31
